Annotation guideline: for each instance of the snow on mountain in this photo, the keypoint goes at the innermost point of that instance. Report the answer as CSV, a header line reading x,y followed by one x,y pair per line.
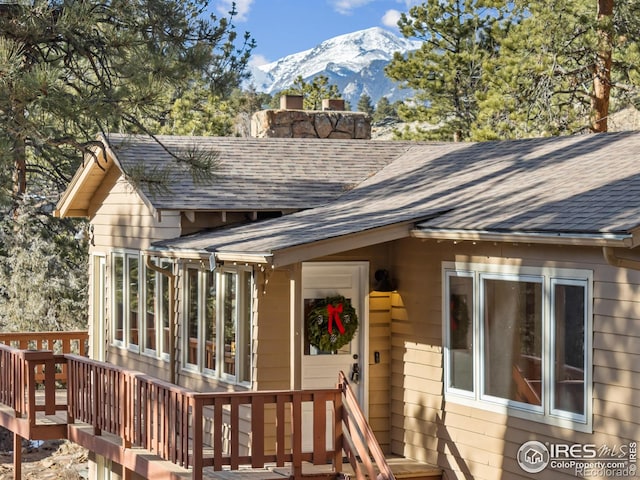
x,y
353,62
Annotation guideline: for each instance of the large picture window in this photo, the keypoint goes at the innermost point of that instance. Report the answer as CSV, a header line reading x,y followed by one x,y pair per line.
x,y
217,329
518,340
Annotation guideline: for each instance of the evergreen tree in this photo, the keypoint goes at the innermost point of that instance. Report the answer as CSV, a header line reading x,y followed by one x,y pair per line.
x,y
365,105
71,69
43,270
459,36
559,68
384,109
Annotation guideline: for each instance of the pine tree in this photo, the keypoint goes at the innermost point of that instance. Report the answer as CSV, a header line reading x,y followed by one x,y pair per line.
x,y
365,105
69,70
562,68
43,271
384,109
447,72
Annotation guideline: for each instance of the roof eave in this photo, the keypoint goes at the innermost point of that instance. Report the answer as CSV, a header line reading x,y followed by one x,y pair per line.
x,y
331,246
91,166
595,239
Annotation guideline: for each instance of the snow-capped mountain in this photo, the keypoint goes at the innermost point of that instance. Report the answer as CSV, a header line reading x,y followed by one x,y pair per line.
x,y
353,62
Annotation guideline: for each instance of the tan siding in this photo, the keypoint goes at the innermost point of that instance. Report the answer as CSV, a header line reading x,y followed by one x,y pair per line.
x,y
120,218
379,391
272,333
473,443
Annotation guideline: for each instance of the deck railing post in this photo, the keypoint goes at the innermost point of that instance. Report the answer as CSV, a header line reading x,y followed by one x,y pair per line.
x,y
338,437
296,434
197,425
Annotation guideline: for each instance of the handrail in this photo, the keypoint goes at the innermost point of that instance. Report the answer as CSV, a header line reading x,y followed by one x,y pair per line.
x,y
360,443
59,343
195,429
180,425
21,372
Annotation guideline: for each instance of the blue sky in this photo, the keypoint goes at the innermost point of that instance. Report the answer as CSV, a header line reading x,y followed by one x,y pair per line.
x,y
283,27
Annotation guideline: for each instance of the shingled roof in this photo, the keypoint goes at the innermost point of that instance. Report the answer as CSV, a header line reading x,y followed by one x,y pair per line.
x,y
580,185
256,174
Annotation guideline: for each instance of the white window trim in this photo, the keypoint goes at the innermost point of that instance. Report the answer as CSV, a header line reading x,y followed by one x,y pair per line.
x,y
218,373
157,305
125,343
549,277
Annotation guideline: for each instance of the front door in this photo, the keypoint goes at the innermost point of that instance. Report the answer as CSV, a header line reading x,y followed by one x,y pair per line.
x,y
320,368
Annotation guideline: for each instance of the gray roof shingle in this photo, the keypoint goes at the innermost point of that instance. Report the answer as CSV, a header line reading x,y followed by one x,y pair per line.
x,y
256,174
577,184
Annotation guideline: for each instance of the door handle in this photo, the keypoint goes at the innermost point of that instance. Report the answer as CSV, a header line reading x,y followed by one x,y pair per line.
x,y
355,373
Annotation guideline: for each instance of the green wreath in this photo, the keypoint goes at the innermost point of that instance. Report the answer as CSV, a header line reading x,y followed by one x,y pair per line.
x,y
331,323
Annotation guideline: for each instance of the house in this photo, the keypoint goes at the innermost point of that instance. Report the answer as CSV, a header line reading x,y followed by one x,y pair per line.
x,y
513,314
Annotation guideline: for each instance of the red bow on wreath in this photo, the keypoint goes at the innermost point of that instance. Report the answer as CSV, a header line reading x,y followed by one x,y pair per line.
x,y
334,314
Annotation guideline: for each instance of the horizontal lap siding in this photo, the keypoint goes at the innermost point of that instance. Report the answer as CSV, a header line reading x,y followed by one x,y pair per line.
x,y
379,391
272,331
473,443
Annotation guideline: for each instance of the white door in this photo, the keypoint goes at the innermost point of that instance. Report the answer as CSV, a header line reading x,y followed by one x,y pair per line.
x,y
320,368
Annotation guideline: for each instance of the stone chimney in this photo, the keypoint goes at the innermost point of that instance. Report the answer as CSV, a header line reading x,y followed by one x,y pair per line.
x,y
291,121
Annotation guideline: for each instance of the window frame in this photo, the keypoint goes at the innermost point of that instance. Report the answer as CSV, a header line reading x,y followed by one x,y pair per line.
x,y
159,282
549,278
242,303
125,342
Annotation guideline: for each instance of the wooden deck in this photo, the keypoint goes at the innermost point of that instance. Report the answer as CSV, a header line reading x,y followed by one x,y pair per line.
x,y
162,431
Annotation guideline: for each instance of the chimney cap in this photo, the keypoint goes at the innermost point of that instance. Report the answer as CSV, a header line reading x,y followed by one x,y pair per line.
x,y
291,102
333,104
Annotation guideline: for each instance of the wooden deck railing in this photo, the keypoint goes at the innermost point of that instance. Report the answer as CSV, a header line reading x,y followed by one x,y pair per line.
x,y
34,361
197,430
60,343
191,429
360,444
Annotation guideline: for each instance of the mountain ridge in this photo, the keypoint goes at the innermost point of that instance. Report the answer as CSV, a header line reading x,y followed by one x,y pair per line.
x,y
354,62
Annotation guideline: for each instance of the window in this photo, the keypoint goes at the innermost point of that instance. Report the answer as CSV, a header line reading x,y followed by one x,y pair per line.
x,y
157,321
126,299
518,340
218,323
140,304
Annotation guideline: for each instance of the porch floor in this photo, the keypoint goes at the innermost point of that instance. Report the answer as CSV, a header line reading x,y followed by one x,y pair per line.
x,y
403,468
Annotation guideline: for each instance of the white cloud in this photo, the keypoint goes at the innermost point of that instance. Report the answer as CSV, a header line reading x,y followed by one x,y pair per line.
x,y
346,7
258,60
390,18
242,7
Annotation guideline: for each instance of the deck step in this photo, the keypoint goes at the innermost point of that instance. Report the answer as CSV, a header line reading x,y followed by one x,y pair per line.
x,y
402,468
408,469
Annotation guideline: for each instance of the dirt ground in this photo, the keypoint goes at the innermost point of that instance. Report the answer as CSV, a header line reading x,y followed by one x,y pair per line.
x,y
52,460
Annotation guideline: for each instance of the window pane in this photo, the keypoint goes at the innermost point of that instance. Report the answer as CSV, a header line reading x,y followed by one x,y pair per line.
x,y
164,307
244,341
118,287
192,316
150,303
210,325
461,332
132,264
513,340
569,301
230,322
